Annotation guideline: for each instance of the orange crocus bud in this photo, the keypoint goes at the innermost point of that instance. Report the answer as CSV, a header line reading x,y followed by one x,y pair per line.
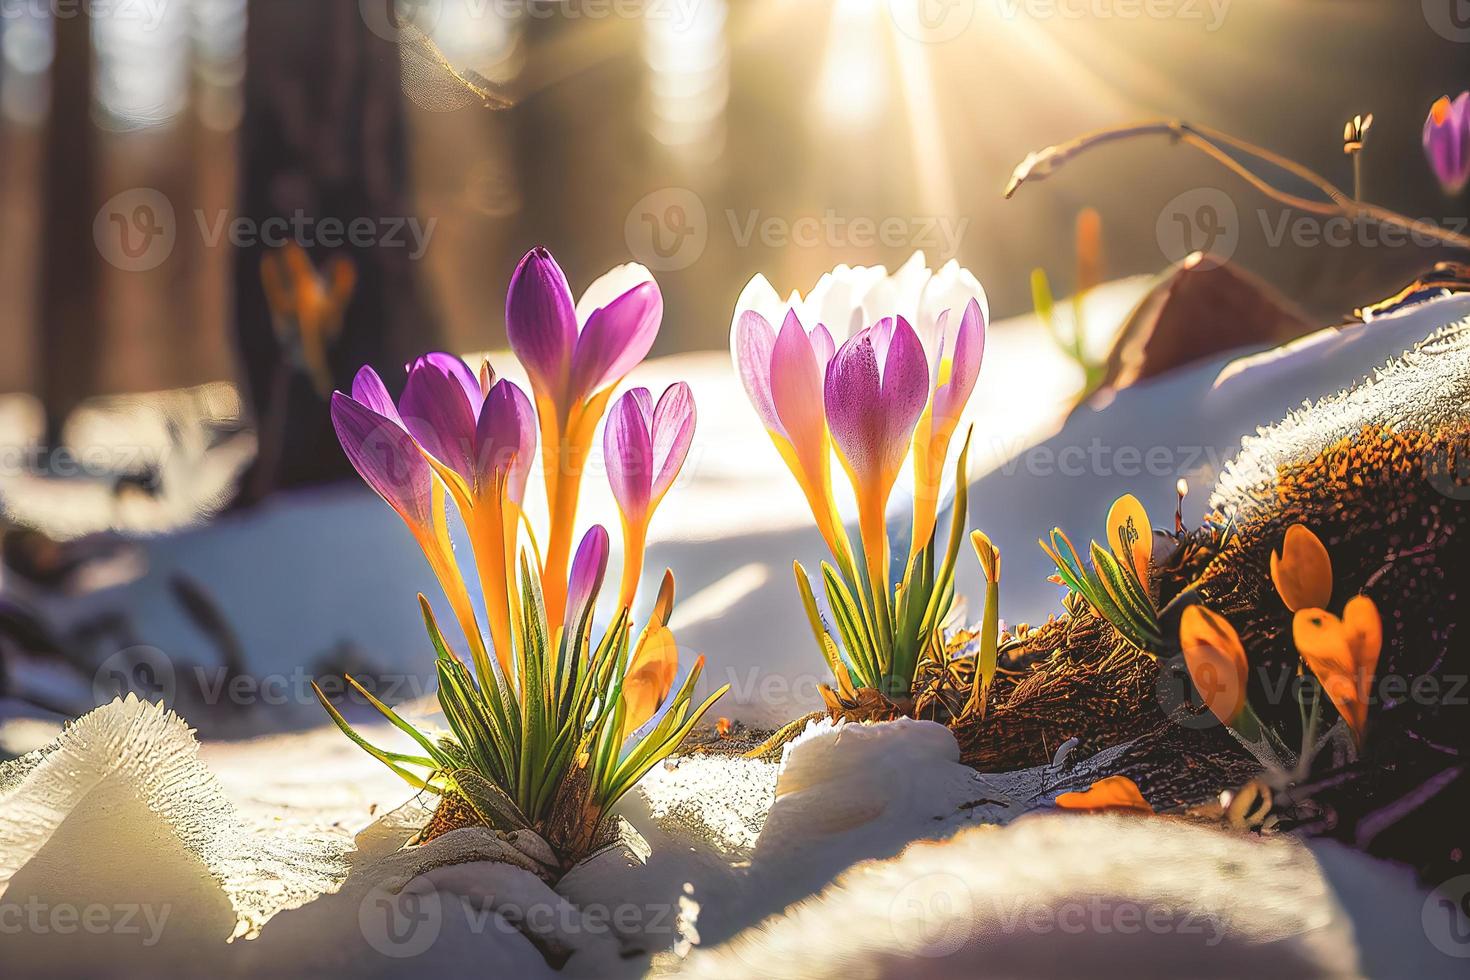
x,y
1302,572
1216,661
1130,536
650,677
1112,793
1343,655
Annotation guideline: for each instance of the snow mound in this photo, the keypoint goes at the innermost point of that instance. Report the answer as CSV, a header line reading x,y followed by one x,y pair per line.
x,y
138,756
1124,895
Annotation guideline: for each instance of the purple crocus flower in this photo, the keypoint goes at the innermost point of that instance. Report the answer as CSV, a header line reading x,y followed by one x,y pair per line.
x,y
481,444
876,389
1447,142
483,435
575,356
645,447
388,459
783,376
589,565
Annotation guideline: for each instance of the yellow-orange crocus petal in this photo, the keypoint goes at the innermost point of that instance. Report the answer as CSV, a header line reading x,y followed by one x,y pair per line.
x,y
663,606
650,677
1216,661
1131,536
1117,793
1302,571
1343,655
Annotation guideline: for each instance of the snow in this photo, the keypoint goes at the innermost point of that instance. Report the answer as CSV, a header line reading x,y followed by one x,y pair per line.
x,y
867,852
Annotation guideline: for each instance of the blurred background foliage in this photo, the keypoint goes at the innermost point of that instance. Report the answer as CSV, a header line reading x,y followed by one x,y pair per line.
x,y
760,108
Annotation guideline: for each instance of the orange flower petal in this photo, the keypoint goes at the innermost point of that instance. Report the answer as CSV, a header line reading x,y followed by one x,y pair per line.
x,y
1364,633
1131,536
1112,793
1440,111
1216,661
650,677
1342,657
1302,572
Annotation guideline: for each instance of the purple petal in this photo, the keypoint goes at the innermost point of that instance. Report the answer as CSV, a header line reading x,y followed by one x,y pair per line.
x,y
672,434
368,389
872,413
969,351
905,392
436,412
883,336
505,439
386,457
852,395
540,320
822,346
589,565
1447,144
751,345
457,369
796,387
644,399
616,338
628,451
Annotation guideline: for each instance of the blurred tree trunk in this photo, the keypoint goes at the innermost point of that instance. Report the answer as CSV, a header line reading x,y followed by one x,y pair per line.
x,y
323,138
70,314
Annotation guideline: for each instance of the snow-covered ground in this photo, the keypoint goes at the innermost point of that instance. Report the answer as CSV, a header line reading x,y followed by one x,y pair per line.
x,y
869,851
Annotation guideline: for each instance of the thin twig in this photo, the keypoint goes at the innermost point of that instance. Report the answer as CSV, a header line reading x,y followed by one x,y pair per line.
x,y
1043,163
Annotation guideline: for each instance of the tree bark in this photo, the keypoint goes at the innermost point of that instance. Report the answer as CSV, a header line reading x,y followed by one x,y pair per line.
x,y
323,138
70,315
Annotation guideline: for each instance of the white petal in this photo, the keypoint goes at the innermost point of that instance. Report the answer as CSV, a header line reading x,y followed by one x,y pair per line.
x,y
609,286
760,296
951,288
